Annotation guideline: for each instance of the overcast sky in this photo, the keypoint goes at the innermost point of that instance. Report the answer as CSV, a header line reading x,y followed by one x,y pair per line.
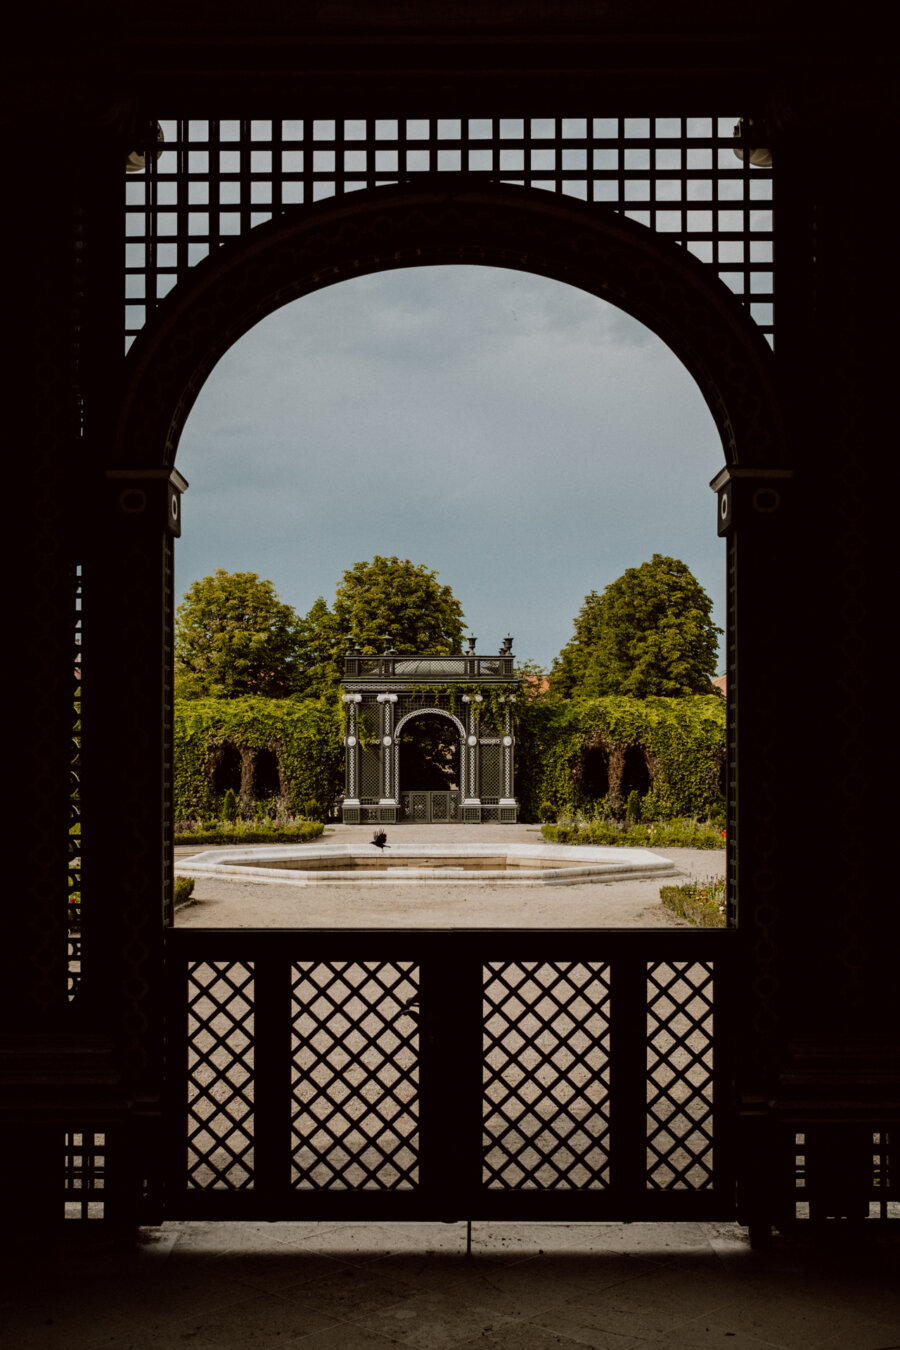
x,y
526,440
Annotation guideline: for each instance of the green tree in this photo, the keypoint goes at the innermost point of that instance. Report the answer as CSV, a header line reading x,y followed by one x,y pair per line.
x,y
319,651
649,633
233,636
400,599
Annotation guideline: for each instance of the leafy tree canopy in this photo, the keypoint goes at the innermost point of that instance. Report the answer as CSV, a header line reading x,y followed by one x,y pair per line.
x,y
649,633
400,599
233,636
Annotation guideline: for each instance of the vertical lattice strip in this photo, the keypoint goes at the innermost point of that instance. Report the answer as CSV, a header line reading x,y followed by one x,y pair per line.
x,y
680,1075
545,1098
74,875
85,1175
220,1075
355,1076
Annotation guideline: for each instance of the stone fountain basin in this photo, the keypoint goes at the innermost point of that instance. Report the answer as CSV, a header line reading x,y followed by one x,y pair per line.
x,y
404,864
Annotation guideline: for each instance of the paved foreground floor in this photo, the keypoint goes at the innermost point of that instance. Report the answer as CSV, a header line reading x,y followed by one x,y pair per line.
x,y
526,1287
221,903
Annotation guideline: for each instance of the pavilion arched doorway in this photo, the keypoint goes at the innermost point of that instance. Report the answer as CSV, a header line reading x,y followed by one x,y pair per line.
x,y
430,769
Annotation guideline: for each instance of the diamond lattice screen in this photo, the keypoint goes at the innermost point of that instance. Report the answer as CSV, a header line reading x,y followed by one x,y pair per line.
x,y
546,1075
220,1075
355,1076
680,1075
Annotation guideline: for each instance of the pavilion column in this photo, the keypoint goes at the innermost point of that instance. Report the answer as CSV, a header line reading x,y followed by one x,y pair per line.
x,y
471,803
507,765
388,784
351,806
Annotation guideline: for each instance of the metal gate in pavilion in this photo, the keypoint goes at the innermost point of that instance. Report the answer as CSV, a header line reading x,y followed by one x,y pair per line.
x,y
446,1074
431,808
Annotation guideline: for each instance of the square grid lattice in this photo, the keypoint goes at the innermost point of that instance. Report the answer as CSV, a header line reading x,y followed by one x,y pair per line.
x,y
220,1075
217,179
85,1175
546,1075
355,1076
74,871
680,1076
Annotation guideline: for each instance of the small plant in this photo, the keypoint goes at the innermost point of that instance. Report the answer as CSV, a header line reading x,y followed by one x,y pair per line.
x,y
230,806
702,903
184,889
633,808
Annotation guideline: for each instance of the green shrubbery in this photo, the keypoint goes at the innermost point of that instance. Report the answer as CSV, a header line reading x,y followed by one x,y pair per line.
x,y
266,831
625,759
300,740
678,833
617,759
184,889
702,903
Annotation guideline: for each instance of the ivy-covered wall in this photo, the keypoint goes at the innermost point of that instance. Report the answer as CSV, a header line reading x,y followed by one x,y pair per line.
x,y
270,752
589,754
578,755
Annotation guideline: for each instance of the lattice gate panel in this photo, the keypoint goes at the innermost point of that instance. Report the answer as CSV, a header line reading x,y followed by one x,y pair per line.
x,y
355,1076
546,1075
489,754
439,1073
680,1076
221,1054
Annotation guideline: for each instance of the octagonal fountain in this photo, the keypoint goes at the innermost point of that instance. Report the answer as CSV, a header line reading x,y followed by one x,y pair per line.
x,y
493,864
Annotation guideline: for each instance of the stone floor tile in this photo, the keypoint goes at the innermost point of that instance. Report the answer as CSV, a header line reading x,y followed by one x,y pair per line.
x,y
263,1320
536,1338
344,1337
436,1322
352,1292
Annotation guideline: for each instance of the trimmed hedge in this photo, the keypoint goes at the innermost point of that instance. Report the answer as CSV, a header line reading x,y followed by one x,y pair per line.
x,y
655,834
304,737
254,832
678,744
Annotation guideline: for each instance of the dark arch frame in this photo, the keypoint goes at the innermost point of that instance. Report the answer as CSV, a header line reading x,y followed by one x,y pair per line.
x,y
655,280
430,222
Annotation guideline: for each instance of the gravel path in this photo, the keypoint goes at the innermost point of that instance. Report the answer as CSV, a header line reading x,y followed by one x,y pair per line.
x,y
221,903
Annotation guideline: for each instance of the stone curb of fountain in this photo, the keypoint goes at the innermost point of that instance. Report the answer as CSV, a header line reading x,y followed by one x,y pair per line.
x,y
551,865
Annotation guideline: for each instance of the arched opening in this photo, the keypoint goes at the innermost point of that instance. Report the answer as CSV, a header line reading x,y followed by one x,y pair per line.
x,y
266,775
429,755
635,772
227,770
670,293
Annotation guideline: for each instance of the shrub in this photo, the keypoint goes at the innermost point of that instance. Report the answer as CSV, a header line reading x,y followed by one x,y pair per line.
x,y
247,832
679,833
702,903
230,806
305,737
584,755
184,889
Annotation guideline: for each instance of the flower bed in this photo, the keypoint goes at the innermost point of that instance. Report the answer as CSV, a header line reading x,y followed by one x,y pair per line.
x,y
702,903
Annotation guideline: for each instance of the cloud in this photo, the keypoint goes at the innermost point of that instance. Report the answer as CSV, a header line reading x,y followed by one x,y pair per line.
x,y
527,440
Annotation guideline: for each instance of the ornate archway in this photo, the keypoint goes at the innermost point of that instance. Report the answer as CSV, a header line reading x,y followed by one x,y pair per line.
x,y
460,221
